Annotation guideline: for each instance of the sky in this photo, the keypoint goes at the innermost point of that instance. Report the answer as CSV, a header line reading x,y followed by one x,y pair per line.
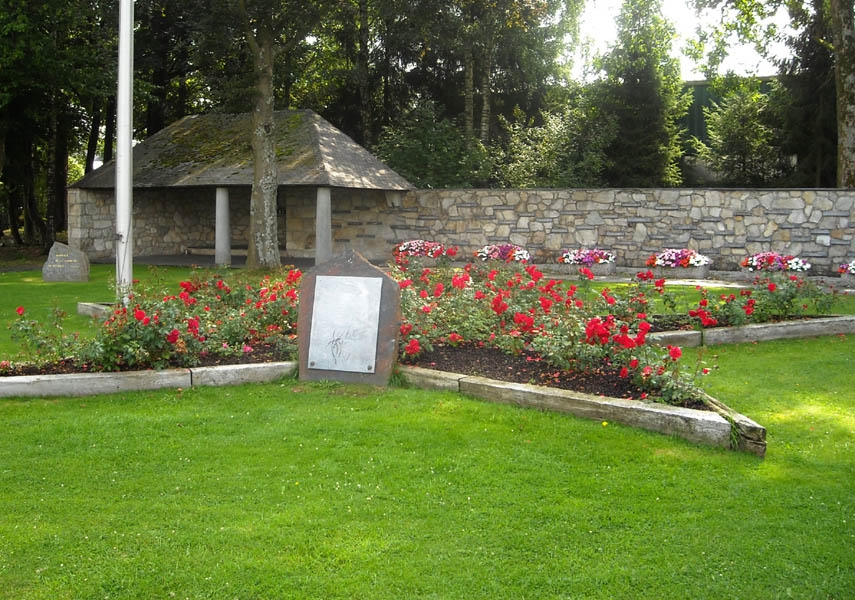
x,y
598,25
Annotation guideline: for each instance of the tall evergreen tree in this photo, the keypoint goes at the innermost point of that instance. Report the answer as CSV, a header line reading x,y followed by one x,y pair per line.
x,y
643,93
806,102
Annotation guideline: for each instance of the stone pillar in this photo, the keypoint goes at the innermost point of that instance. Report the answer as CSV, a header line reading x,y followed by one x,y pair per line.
x,y
323,226
222,235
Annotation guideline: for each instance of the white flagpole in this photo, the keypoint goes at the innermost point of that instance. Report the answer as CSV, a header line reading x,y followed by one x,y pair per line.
x,y
124,153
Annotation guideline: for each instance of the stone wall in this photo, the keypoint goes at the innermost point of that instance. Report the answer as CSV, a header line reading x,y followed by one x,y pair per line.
x,y
727,225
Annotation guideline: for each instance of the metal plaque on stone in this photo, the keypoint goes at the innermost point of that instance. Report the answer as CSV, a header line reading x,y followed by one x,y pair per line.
x,y
349,320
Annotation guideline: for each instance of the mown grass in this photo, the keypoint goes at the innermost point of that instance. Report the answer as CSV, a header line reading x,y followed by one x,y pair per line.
x,y
297,490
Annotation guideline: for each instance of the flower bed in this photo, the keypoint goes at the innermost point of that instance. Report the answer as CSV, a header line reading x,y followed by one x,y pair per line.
x,y
596,261
423,250
682,262
504,253
772,261
847,273
509,306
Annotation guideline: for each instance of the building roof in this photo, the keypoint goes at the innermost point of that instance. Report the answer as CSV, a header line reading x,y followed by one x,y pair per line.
x,y
216,150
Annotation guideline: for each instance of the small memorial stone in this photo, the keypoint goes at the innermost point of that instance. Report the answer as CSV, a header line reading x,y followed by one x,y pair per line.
x,y
350,317
65,263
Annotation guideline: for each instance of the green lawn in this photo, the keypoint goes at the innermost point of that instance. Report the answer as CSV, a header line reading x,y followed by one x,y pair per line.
x,y
297,490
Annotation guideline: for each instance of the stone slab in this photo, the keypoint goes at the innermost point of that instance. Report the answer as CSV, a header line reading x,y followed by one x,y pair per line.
x,y
65,263
239,374
87,384
705,427
761,332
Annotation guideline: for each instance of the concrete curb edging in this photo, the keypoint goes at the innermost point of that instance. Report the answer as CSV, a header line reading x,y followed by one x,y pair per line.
x,y
720,427
86,384
760,332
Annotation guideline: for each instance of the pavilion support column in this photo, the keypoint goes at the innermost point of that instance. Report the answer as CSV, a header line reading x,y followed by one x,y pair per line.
x,y
323,226
222,232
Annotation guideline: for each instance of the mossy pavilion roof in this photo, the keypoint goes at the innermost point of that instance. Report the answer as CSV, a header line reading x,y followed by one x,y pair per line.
x,y
215,150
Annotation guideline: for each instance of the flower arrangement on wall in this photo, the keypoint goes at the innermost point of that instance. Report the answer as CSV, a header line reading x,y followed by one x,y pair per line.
x,y
772,261
678,257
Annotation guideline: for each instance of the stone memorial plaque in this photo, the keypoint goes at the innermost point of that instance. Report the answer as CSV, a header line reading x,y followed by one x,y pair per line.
x,y
344,323
65,263
349,321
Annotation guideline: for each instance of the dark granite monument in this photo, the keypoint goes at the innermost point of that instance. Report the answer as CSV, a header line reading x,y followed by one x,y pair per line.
x,y
349,321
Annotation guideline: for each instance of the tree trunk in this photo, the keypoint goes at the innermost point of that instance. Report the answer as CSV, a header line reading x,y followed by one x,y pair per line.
x,y
56,199
109,129
843,34
363,73
486,99
263,249
469,91
94,134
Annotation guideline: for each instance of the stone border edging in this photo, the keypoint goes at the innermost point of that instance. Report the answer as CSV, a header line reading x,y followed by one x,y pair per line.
x,y
760,332
85,384
720,427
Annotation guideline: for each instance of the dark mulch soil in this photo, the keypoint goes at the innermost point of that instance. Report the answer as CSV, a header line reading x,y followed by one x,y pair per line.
x,y
525,368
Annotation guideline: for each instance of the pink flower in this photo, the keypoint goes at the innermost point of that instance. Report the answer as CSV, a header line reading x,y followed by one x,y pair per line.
x,y
20,311
247,349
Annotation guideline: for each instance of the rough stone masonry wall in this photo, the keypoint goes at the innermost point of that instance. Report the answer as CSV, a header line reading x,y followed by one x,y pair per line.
x,y
727,225
165,222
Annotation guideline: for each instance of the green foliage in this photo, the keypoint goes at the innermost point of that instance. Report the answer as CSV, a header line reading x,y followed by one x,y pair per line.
x,y
742,136
430,151
566,150
44,343
806,105
643,93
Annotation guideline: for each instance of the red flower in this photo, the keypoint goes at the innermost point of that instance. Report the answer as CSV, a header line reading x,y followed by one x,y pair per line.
x,y
413,347
460,281
479,295
499,306
173,336
20,311
633,364
451,251
139,314
772,287
455,338
437,291
675,352
406,328
526,322
586,272
624,373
